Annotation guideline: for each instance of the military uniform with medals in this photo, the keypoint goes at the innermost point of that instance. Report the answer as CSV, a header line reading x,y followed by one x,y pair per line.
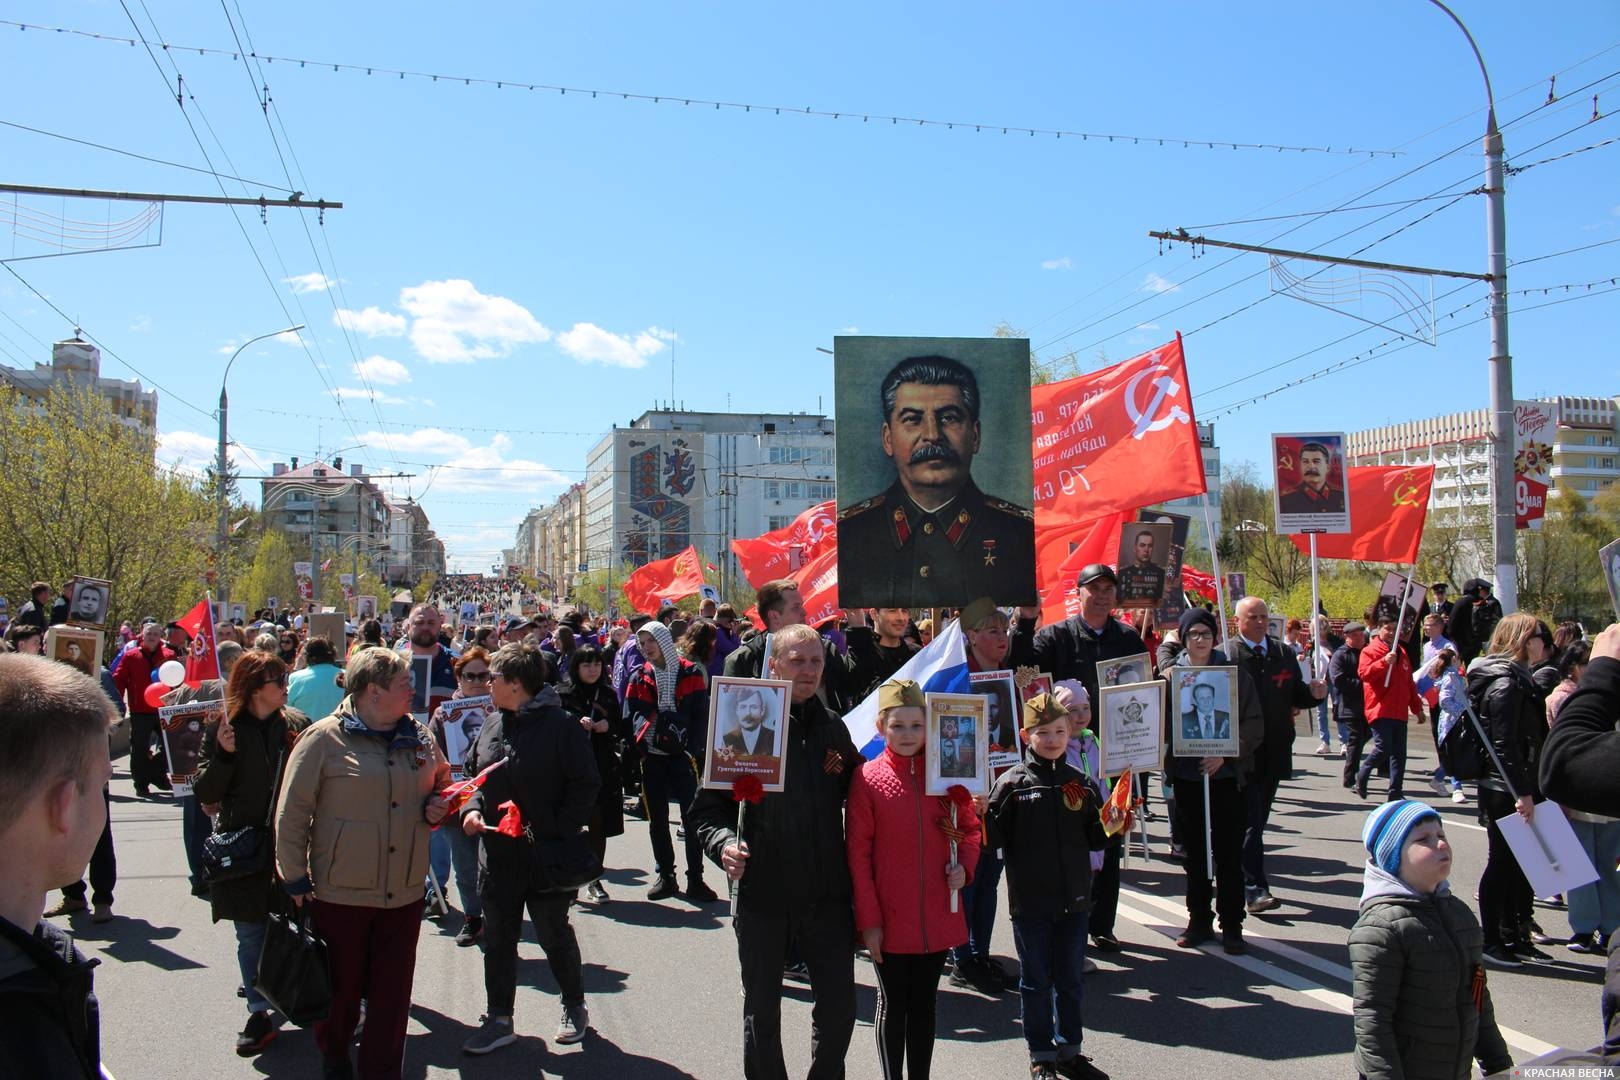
x,y
892,553
1141,585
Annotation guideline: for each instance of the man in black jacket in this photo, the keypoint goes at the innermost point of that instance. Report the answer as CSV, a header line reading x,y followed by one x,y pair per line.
x,y
1472,619
791,868
1579,763
1344,675
53,725
879,650
781,606
1071,650
1275,670
550,774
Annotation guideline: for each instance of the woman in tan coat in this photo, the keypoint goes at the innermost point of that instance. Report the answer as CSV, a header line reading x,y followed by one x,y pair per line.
x,y
352,832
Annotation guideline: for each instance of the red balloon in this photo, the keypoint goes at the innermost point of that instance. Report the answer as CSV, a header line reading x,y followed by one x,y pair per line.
x,y
154,694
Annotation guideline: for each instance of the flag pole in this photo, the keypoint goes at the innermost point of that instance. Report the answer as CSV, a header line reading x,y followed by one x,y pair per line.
x,y
1214,564
1209,846
1400,621
1316,607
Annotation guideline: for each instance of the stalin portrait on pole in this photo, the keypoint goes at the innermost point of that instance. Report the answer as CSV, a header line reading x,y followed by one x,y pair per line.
x,y
918,526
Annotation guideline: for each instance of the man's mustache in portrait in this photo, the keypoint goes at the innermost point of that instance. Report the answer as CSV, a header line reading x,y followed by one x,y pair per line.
x,y
935,452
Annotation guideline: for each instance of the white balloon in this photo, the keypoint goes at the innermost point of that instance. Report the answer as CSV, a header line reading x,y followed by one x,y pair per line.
x,y
172,673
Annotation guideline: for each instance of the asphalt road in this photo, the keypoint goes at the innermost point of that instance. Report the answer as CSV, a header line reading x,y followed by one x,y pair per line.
x,y
663,990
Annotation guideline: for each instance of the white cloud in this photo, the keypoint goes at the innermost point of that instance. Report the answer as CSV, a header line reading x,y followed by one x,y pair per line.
x,y
1147,326
663,335
1153,283
371,321
470,467
188,451
360,392
141,325
453,323
591,344
303,284
1061,263
846,331
382,371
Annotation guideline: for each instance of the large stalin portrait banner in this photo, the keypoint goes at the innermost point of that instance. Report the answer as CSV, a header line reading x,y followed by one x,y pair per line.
x,y
934,471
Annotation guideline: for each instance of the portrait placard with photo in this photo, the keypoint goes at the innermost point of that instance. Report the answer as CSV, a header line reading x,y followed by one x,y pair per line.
x,y
463,719
1309,490
76,645
1131,727
89,600
957,743
183,727
748,730
1144,551
1002,718
1124,669
1206,701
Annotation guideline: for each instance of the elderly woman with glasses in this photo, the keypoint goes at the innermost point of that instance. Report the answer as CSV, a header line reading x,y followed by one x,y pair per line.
x,y
456,730
241,759
358,801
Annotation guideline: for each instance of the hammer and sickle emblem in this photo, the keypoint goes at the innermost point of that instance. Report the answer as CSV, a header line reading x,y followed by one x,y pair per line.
x,y
1164,388
1286,462
1406,494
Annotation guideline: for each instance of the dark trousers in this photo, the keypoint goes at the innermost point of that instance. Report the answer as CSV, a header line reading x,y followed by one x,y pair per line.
x,y
1258,795
1052,959
146,769
1359,734
1505,897
663,777
503,926
371,953
194,829
824,933
1105,888
1389,751
979,907
907,985
103,866
1226,817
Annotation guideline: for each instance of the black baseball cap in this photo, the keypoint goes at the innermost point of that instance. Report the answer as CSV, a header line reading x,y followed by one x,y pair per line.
x,y
1094,571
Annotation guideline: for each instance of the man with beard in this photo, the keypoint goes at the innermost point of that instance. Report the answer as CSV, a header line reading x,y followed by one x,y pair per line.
x,y
1314,495
752,737
933,537
433,667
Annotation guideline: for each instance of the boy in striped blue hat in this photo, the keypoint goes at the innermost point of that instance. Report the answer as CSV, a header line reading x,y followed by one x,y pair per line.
x,y
1417,956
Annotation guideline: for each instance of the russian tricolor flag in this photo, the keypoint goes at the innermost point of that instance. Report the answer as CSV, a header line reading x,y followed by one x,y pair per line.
x,y
941,667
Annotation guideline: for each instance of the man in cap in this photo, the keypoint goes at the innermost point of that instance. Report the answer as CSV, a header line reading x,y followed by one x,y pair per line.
x,y
1345,679
1071,650
933,537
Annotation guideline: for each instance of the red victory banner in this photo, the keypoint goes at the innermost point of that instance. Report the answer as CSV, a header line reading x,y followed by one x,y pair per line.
x,y
1061,553
818,586
674,578
1388,506
202,662
769,557
1115,440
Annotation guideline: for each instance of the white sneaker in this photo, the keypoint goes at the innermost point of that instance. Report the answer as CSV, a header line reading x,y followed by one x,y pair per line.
x,y
1323,749
1459,796
1440,786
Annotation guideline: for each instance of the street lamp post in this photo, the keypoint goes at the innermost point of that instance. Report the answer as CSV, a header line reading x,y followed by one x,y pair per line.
x,y
223,591
1503,485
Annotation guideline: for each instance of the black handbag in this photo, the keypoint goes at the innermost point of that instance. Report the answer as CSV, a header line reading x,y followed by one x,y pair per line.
x,y
244,852
293,974
567,865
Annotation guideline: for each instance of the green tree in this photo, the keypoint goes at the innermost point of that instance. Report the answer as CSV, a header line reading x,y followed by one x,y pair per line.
x,y
1248,543
270,575
81,495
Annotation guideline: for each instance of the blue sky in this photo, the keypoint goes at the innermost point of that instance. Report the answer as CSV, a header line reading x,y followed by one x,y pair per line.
x,y
522,264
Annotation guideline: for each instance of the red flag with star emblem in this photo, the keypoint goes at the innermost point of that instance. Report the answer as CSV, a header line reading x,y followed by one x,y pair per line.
x,y
202,662
1115,440
1388,507
674,578
1061,553
770,557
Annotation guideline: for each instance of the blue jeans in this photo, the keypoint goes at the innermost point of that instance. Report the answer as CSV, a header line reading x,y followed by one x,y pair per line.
x,y
249,944
979,907
1389,749
449,847
1322,724
1052,953
194,829
1596,905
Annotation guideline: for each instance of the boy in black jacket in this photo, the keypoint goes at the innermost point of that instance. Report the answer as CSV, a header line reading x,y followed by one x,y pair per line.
x,y
1045,816
53,766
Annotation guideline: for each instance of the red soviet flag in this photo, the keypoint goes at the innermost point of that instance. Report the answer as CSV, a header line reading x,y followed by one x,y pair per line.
x,y
1115,440
673,578
1196,581
1061,553
769,557
1388,507
818,586
203,661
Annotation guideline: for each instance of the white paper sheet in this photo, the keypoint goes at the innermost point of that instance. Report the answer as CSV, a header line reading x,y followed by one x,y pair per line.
x,y
1573,868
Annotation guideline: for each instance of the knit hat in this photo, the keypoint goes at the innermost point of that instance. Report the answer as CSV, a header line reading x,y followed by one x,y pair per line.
x,y
1387,828
1076,690
1197,616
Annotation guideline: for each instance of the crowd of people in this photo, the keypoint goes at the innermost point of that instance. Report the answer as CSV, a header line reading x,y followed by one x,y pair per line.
x,y
331,781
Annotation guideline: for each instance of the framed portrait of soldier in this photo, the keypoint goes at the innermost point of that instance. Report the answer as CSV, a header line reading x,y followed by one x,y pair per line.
x,y
1609,559
1389,602
183,727
1004,711
89,600
1144,552
1206,707
238,613
365,607
1309,483
1131,727
463,720
958,746
935,476
748,731
76,645
1124,669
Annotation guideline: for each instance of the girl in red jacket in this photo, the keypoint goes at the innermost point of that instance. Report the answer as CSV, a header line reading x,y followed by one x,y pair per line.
x,y
900,864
